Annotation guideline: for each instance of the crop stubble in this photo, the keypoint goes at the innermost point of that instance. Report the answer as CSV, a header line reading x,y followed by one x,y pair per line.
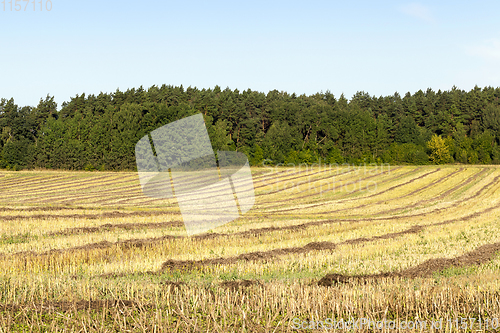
x,y
475,199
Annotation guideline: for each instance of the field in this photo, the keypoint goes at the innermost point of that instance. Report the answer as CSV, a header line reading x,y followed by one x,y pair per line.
x,y
87,251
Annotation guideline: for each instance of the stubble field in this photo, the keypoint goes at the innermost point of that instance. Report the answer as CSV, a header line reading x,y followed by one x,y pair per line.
x,y
87,251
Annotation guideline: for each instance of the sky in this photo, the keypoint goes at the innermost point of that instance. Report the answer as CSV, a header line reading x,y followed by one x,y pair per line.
x,y
302,47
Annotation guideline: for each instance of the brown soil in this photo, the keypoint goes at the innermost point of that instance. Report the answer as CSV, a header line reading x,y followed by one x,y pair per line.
x,y
63,306
254,256
172,284
327,190
406,195
466,182
238,284
273,177
265,255
51,186
42,208
68,306
20,181
369,196
456,203
439,197
116,226
481,255
114,214
139,243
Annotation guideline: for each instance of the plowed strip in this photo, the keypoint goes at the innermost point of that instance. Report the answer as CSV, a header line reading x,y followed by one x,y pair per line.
x,y
115,226
71,306
404,196
255,232
251,256
439,197
369,196
255,187
259,231
312,246
85,216
17,181
82,186
481,255
266,255
44,208
54,186
328,190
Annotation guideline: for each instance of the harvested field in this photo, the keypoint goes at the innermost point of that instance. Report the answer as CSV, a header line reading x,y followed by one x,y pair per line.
x,y
87,251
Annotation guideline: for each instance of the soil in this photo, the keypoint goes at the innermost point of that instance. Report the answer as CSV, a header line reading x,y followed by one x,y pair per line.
x,y
113,214
481,255
238,284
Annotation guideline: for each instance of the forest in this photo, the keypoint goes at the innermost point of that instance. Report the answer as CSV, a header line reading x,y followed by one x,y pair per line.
x,y
100,132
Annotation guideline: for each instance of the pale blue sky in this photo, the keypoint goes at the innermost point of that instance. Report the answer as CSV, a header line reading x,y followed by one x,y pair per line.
x,y
294,46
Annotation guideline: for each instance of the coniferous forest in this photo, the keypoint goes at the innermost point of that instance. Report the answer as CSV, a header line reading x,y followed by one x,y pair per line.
x,y
100,132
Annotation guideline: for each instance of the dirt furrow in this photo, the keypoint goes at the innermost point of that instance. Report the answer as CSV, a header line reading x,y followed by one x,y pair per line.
x,y
317,245
13,181
214,235
45,208
114,214
52,187
251,256
116,226
325,191
82,186
21,182
404,196
264,255
259,255
481,255
361,206
439,197
173,264
280,178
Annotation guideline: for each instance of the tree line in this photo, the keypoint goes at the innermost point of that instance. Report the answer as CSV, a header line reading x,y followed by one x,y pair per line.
x,y
100,132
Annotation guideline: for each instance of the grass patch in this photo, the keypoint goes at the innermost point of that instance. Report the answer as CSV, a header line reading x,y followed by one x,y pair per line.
x,y
17,239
